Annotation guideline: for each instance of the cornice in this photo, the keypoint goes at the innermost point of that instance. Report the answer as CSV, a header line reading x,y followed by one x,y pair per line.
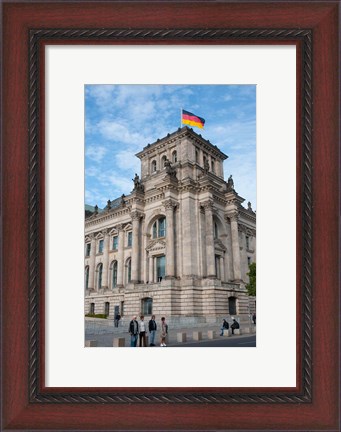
x,y
246,230
247,214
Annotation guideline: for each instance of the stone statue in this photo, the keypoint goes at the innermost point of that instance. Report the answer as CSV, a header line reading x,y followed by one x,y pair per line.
x,y
122,202
109,204
169,169
96,209
137,183
230,183
249,206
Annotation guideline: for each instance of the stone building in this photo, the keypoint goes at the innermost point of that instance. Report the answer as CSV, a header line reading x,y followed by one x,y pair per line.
x,y
179,244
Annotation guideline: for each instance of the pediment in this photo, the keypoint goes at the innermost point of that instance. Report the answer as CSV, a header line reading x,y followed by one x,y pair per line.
x,y
219,245
156,245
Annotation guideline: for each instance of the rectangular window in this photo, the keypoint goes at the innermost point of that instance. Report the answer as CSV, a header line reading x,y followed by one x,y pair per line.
x,y
100,246
115,242
247,242
130,238
248,260
88,249
147,306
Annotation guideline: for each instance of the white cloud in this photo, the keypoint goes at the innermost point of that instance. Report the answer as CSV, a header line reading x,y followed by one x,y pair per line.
x,y
119,132
95,153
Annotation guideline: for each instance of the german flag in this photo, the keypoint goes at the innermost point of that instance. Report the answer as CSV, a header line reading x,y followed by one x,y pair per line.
x,y
191,119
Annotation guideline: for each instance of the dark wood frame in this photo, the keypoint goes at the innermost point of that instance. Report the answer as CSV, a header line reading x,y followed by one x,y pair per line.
x,y
27,403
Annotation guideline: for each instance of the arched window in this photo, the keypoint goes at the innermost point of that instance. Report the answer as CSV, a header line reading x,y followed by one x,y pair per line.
x,y
212,165
196,156
86,279
163,160
159,228
99,275
174,156
153,166
232,306
128,270
114,274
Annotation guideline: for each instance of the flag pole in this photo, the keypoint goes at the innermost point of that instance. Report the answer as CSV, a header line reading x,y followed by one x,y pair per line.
x,y
180,117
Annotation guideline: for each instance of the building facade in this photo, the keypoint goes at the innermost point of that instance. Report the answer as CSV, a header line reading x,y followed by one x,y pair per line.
x,y
179,244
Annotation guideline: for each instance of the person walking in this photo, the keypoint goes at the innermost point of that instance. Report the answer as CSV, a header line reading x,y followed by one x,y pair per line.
x,y
234,325
164,331
142,332
254,318
152,327
225,326
133,331
117,319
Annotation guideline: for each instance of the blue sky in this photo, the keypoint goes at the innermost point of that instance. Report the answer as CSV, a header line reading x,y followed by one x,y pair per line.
x,y
122,119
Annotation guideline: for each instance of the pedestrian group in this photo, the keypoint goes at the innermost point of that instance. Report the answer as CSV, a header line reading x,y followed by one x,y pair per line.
x,y
138,331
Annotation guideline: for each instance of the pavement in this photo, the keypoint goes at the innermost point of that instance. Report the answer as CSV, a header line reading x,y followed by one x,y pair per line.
x,y
105,339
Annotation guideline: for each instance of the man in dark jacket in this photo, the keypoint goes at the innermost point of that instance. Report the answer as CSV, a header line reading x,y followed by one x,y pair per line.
x,y
133,331
234,325
225,326
152,330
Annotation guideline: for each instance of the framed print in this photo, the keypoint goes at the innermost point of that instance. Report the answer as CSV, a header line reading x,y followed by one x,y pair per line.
x,y
77,78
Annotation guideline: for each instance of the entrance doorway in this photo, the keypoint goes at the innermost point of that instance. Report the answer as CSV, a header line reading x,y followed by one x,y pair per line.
x,y
160,268
232,306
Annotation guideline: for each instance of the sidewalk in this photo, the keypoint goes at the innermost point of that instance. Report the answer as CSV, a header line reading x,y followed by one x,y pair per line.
x,y
106,340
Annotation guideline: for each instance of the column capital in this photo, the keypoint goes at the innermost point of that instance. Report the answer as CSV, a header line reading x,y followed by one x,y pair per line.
x,y
136,215
169,204
105,232
120,227
207,205
91,236
233,216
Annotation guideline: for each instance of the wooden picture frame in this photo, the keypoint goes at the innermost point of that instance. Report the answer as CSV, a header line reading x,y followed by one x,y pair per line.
x,y
27,403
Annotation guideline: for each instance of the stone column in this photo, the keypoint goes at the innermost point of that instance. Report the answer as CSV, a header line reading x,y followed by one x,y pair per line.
x,y
135,258
221,264
120,260
91,284
235,246
105,259
170,239
151,270
209,235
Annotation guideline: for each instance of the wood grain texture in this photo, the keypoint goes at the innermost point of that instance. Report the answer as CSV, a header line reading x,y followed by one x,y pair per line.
x,y
18,413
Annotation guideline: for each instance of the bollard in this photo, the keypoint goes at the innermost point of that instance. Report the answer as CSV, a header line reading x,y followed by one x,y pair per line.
x,y
181,337
247,330
119,342
227,332
211,334
238,331
90,343
197,336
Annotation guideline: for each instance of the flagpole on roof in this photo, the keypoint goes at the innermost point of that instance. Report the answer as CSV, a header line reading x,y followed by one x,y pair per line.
x,y
180,117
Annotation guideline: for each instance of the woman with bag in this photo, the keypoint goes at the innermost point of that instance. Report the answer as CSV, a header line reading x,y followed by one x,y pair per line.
x,y
164,331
